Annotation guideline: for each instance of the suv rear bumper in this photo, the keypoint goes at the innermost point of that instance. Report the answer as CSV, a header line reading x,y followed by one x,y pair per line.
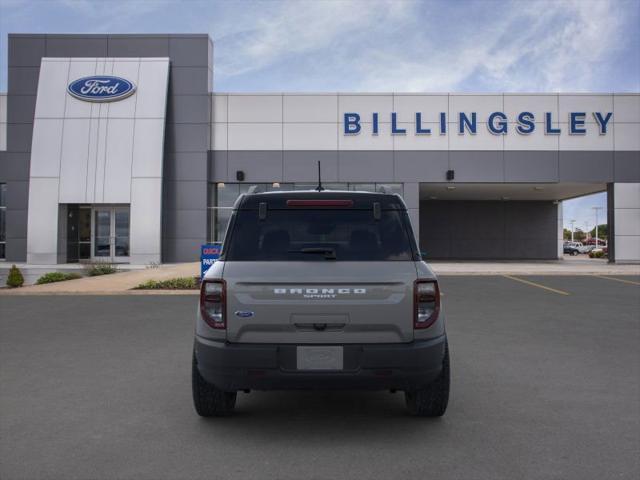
x,y
403,366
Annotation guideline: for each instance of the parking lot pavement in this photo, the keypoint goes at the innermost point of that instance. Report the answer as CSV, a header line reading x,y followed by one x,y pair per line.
x,y
545,385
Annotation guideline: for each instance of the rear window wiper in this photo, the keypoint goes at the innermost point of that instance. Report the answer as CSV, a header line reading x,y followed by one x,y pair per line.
x,y
329,253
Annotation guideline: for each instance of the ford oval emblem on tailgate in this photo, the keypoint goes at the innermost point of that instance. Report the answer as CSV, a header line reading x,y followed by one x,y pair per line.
x,y
244,314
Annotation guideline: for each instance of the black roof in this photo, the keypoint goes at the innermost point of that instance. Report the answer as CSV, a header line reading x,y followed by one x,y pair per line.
x,y
361,200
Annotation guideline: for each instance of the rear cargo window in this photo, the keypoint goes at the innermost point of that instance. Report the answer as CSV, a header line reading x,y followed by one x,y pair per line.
x,y
312,234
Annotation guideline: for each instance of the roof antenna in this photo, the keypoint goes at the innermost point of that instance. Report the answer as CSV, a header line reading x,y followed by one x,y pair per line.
x,y
319,188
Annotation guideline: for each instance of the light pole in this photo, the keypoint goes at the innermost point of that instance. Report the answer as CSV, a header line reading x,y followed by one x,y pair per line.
x,y
572,222
596,209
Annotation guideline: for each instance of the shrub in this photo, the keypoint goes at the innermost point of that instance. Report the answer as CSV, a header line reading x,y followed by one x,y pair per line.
x,y
15,278
181,283
596,254
52,277
100,269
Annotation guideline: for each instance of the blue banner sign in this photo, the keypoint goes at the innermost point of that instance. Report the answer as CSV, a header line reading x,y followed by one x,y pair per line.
x,y
101,88
209,253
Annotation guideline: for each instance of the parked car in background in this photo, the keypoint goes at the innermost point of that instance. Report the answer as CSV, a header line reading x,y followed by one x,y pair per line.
x,y
573,248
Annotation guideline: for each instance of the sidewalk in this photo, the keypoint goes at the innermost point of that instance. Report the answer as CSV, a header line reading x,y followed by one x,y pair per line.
x,y
124,282
116,283
568,266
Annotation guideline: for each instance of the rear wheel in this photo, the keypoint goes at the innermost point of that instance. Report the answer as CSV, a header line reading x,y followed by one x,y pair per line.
x,y
574,253
432,400
208,400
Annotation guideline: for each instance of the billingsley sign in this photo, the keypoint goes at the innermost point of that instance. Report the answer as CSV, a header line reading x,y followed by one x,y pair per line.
x,y
497,123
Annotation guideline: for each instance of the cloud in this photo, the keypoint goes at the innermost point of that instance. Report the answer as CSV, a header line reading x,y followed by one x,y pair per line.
x,y
274,33
415,46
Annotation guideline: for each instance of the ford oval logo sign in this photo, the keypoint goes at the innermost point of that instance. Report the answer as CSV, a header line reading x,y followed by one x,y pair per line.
x,y
101,88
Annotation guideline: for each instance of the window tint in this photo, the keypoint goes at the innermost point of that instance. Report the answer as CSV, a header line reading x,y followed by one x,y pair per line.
x,y
319,235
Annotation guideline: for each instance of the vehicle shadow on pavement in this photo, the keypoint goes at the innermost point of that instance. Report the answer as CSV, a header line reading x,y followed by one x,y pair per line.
x,y
321,414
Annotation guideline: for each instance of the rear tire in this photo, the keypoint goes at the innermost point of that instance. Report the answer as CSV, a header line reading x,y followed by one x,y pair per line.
x,y
208,400
432,400
574,253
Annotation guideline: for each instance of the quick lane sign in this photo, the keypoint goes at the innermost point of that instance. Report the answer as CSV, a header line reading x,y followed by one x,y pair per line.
x,y
209,253
467,123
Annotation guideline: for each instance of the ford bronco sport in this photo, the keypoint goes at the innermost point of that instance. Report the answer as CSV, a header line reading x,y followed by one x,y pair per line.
x,y
320,290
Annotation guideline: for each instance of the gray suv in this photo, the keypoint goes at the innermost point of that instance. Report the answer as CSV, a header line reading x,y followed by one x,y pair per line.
x,y
320,290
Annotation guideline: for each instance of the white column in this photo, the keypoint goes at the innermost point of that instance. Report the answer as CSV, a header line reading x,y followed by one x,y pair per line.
x,y
626,222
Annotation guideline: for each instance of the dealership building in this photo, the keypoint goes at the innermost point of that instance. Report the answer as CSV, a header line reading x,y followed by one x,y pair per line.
x,y
117,148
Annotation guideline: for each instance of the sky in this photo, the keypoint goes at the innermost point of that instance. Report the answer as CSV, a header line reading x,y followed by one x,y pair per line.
x,y
378,45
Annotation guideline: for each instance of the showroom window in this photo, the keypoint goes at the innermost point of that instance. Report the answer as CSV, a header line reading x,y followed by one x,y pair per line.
x,y
222,196
3,221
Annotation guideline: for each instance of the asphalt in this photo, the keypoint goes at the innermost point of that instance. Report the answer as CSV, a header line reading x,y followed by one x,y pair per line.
x,y
546,385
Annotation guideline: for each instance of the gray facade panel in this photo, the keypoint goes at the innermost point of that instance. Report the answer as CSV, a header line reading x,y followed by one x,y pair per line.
x,y
530,166
365,166
529,230
428,166
477,166
189,51
182,249
586,166
76,46
26,50
18,196
185,166
19,138
218,167
16,250
302,166
188,80
138,46
188,109
187,137
185,195
23,80
186,223
488,230
611,222
16,223
15,167
626,166
22,108
258,165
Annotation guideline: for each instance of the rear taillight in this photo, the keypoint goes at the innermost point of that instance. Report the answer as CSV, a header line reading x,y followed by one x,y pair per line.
x,y
426,303
213,303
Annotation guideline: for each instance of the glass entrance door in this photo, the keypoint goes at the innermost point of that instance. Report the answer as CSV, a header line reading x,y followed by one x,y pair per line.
x,y
111,234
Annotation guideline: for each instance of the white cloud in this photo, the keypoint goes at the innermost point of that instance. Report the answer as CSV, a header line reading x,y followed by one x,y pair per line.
x,y
532,46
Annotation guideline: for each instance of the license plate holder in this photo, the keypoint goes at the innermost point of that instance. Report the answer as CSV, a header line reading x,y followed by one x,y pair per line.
x,y
318,358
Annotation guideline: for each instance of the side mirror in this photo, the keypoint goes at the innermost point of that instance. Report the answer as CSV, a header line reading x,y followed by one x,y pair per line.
x,y
423,256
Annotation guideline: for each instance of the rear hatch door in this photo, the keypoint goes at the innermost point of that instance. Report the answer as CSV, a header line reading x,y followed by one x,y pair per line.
x,y
320,302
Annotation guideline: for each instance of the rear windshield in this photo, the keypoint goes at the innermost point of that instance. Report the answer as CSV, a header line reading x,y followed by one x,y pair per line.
x,y
319,235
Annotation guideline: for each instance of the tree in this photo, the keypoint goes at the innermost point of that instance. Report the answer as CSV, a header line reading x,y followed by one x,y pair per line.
x,y
15,278
578,235
603,231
